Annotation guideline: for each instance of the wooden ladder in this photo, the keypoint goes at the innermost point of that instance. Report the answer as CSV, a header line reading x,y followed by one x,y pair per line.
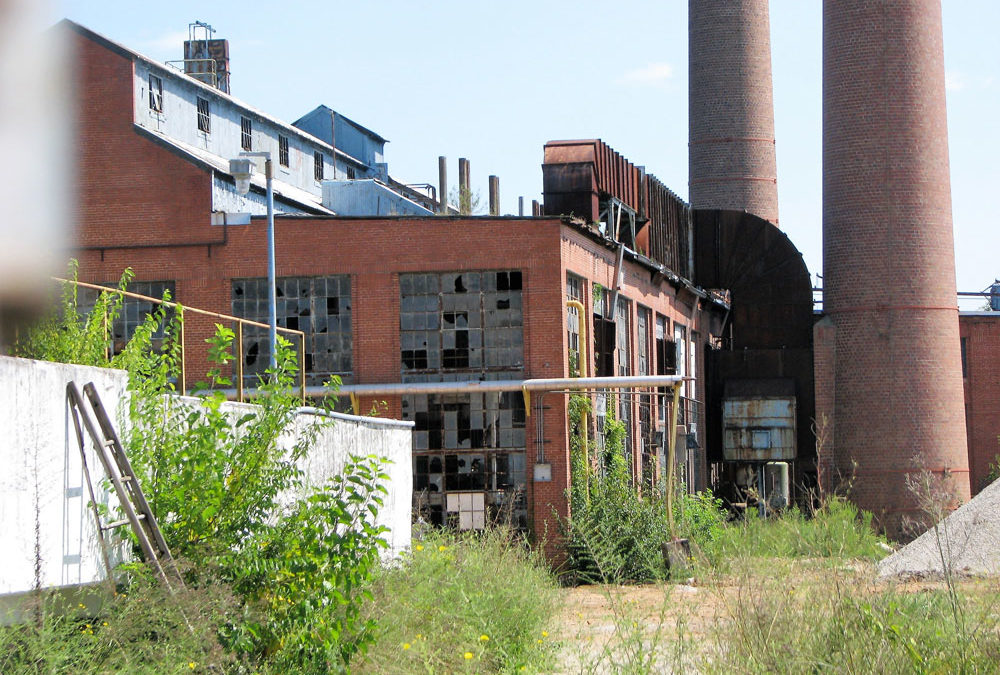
x,y
132,501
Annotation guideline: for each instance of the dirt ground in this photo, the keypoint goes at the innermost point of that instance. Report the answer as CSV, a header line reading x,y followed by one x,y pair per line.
x,y
607,628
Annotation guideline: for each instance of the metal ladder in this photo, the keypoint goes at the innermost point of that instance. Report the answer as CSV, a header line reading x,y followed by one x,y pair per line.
x,y
132,501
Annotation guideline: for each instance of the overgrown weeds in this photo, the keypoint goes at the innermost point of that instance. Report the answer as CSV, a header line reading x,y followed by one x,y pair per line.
x,y
476,602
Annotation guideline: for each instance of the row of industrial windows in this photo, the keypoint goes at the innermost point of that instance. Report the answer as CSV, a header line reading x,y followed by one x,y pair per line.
x,y
469,449
204,122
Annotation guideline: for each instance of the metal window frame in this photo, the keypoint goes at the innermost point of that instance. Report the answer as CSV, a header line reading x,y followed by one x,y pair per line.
x,y
246,133
283,150
204,115
155,93
318,160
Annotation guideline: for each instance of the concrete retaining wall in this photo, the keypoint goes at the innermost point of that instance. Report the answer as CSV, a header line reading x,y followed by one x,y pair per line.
x,y
41,481
43,495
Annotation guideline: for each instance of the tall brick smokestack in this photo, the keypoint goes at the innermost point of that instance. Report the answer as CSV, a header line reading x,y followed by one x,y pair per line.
x,y
888,253
731,107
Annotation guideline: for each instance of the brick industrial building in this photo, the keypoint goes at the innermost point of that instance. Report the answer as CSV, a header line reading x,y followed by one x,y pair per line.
x,y
720,296
401,299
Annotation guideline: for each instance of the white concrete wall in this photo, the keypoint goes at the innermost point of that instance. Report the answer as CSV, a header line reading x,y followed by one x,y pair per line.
x,y
389,439
42,473
337,437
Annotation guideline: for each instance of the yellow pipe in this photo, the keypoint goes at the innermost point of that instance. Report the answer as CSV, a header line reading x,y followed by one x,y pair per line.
x,y
671,452
582,364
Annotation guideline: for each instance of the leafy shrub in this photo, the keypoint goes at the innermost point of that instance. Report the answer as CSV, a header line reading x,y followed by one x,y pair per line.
x,y
218,482
310,575
66,335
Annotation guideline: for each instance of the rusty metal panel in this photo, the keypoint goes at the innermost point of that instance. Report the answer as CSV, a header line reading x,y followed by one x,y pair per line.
x,y
759,429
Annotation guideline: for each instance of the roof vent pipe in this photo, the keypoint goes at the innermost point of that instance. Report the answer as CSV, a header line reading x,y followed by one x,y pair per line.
x,y
443,185
494,196
464,192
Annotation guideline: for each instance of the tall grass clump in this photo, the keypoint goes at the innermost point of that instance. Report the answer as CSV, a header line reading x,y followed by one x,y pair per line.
x,y
784,623
463,603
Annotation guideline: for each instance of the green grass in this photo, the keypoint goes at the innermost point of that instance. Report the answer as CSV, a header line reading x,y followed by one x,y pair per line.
x,y
835,531
454,604
475,603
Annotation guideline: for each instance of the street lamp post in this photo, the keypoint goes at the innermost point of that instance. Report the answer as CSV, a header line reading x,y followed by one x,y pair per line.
x,y
242,170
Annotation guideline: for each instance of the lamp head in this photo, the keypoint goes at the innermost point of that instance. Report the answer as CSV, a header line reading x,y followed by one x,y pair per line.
x,y
242,170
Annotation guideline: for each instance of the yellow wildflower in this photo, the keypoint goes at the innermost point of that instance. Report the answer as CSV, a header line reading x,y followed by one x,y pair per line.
x,y
420,547
191,664
545,633
484,638
468,656
406,645
442,548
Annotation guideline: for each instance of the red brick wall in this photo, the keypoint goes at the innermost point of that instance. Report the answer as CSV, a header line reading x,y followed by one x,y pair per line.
x,y
889,270
133,191
731,109
982,392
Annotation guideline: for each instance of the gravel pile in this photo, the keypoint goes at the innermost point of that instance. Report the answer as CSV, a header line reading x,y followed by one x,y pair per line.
x,y
968,539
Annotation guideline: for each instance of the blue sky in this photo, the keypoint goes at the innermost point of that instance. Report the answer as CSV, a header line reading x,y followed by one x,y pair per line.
x,y
494,81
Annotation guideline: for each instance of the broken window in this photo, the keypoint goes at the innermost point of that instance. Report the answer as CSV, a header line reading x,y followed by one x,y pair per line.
x,y
470,444
666,359
246,133
647,441
318,165
133,311
155,93
467,321
624,368
351,173
604,335
318,306
574,291
469,449
282,150
204,115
